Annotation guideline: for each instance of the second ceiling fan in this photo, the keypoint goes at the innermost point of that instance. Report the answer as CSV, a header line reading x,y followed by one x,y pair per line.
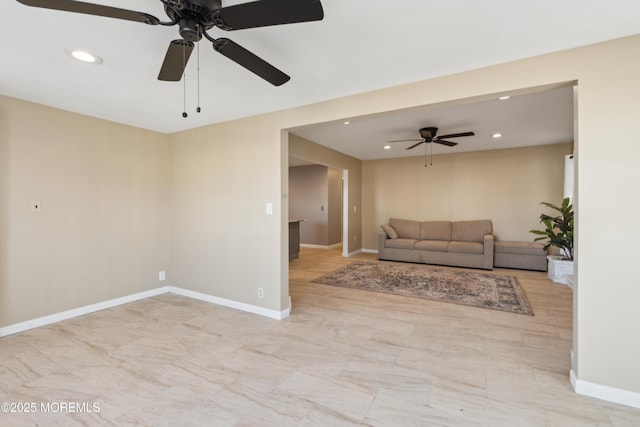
x,y
428,135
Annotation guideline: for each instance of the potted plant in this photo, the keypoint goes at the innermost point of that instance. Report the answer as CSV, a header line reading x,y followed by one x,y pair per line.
x,y
558,232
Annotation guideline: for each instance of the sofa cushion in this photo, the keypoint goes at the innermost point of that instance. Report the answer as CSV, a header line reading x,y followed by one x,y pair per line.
x,y
435,230
521,248
400,243
466,247
391,232
406,228
432,245
470,231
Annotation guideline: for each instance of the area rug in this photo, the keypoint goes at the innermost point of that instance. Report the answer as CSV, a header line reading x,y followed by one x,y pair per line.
x,y
484,290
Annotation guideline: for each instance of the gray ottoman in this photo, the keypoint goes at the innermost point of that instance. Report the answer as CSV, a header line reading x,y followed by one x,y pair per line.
x,y
521,255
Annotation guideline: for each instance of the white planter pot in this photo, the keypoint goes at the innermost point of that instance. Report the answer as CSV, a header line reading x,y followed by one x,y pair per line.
x,y
559,269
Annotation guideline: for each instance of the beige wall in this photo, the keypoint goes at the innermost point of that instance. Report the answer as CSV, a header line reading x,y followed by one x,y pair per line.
x,y
222,241
303,149
505,186
315,196
103,229
308,199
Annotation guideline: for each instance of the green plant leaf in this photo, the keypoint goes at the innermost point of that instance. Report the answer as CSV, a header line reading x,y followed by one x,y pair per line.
x,y
558,229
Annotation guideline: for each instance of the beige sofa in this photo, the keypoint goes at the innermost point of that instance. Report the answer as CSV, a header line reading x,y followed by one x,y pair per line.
x,y
458,243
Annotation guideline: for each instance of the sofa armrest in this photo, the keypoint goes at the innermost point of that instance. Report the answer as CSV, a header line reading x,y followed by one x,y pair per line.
x,y
488,251
382,237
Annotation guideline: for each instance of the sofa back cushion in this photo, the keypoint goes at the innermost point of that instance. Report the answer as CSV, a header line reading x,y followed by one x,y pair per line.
x,y
435,230
406,228
471,231
391,232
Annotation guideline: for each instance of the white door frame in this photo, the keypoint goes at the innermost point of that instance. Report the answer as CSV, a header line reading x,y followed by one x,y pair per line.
x,y
345,213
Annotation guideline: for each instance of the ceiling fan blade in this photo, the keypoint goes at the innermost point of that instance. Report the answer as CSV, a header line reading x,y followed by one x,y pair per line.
x,y
93,9
406,140
251,62
268,12
443,142
456,135
175,60
415,145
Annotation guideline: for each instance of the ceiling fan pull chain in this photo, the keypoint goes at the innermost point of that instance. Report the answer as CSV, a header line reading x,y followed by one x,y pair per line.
x,y
184,83
425,154
200,33
431,148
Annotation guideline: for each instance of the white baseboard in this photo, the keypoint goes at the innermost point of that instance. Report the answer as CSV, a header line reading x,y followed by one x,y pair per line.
x,y
80,311
278,315
604,392
354,253
308,245
87,309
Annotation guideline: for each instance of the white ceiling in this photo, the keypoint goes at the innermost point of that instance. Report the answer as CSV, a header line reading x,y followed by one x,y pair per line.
x,y
361,45
538,118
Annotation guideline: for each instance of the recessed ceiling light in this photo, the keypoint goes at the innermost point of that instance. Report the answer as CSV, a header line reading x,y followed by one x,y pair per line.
x,y
347,123
496,135
504,98
84,56
387,147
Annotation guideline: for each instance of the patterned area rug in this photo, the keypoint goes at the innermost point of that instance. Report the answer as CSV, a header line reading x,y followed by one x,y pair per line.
x,y
484,290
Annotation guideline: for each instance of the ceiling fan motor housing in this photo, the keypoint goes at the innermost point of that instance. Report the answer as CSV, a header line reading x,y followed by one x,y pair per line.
x,y
193,16
428,133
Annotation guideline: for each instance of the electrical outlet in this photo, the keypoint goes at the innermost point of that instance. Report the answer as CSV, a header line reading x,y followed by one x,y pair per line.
x,y
162,275
260,292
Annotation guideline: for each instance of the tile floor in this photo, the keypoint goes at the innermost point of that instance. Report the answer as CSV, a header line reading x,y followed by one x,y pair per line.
x,y
344,357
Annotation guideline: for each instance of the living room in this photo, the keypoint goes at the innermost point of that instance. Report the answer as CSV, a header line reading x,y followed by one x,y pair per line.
x,y
120,204
502,178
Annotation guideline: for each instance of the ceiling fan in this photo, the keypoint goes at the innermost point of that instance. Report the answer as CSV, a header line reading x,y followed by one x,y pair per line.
x,y
195,17
428,135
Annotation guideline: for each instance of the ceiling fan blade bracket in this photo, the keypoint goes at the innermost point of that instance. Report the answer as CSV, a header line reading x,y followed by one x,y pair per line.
x,y
217,21
152,20
219,44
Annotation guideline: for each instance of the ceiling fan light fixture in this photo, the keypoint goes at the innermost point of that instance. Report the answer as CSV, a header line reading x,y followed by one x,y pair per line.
x,y
84,56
